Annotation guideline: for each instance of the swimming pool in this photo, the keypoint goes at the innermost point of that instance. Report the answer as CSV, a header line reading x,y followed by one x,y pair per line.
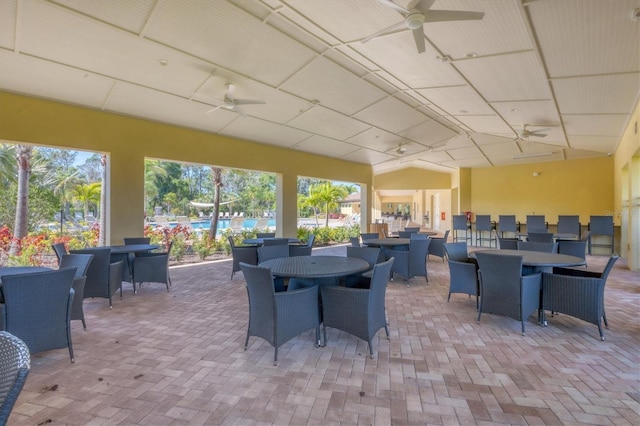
x,y
223,224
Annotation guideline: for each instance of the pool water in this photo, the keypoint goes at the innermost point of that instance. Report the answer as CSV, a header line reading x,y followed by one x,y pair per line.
x,y
223,224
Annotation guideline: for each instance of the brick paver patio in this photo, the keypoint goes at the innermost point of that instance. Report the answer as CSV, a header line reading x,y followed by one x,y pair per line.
x,y
177,358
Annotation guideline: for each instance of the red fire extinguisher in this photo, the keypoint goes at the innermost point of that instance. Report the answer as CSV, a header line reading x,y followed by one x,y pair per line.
x,y
443,216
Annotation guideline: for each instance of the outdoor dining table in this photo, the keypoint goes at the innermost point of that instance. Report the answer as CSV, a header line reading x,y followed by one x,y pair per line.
x,y
123,252
315,266
556,236
539,261
260,241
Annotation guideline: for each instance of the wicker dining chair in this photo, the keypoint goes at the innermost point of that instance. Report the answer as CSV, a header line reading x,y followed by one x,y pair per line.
x,y
15,363
81,262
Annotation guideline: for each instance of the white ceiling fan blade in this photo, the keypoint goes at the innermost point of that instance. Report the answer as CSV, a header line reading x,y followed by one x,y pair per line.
x,y
421,5
418,36
248,102
215,109
451,15
239,111
392,5
393,28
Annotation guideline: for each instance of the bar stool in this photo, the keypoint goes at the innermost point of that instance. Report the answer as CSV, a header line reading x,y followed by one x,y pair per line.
x,y
507,223
484,224
460,224
601,226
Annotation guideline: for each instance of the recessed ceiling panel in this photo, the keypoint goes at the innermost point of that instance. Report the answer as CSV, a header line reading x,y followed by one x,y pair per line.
x,y
499,31
23,74
595,125
8,10
326,146
611,94
264,131
429,133
486,124
333,86
587,37
128,14
367,156
222,33
457,100
603,144
63,36
513,77
137,101
517,113
391,114
323,121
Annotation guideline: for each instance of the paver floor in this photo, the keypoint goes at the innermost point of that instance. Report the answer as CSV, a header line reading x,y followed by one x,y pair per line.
x,y
178,358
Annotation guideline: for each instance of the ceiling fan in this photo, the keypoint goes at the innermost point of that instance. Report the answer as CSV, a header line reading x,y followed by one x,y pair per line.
x,y
525,133
401,149
231,103
416,14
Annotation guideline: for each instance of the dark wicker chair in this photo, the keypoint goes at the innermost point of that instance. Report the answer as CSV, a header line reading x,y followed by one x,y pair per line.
x,y
37,308
242,254
265,234
540,237
275,242
411,263
278,317
507,243
368,254
484,224
577,293
303,250
59,249
569,225
436,248
536,223
152,268
360,312
275,252
104,278
81,262
507,223
536,246
136,240
503,290
15,363
463,273
577,248
355,241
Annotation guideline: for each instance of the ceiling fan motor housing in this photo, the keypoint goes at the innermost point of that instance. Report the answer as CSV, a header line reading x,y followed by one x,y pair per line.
x,y
415,20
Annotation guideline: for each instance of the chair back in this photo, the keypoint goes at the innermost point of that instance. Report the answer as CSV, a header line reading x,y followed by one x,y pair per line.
x,y
261,292
275,242
378,286
103,277
417,236
457,251
418,250
232,242
412,229
310,240
483,222
272,252
59,249
507,223
605,273
15,363
37,308
355,241
500,283
265,234
405,234
540,237
541,247
536,223
300,250
368,254
80,261
136,240
507,243
577,248
460,222
369,235
569,225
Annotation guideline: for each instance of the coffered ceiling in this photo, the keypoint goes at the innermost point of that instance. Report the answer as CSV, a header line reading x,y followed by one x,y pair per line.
x,y
569,69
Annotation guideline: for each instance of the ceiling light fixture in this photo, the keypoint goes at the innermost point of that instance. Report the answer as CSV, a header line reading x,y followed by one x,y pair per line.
x,y
537,154
163,62
443,59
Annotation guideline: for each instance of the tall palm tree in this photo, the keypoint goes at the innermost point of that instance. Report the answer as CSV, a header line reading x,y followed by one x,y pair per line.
x,y
102,236
23,158
216,176
152,170
328,195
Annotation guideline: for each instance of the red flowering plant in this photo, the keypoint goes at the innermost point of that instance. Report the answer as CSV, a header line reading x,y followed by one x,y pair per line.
x,y
5,238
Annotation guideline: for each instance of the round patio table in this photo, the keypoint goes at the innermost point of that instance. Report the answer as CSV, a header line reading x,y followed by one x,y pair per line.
x,y
540,261
315,266
132,248
260,241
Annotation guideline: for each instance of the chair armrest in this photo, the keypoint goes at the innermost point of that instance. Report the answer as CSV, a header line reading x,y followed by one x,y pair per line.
x,y
576,272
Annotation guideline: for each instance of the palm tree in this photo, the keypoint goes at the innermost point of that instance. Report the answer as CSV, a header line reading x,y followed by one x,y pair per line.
x,y
152,170
102,235
23,157
87,194
327,195
216,175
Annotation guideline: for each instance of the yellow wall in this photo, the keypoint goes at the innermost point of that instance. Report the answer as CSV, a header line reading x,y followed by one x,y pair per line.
x,y
583,187
129,140
412,178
